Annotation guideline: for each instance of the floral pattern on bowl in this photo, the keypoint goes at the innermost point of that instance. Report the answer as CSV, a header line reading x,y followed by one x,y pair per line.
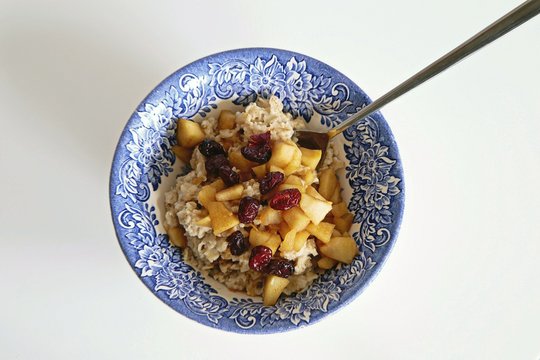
x,y
144,167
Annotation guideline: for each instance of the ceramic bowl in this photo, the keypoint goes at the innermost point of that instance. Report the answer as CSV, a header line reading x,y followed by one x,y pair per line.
x,y
144,168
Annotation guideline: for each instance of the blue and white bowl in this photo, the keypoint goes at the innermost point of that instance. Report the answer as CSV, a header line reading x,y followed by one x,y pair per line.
x,y
144,168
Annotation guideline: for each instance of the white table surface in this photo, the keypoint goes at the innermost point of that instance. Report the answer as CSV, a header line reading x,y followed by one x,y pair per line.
x,y
463,281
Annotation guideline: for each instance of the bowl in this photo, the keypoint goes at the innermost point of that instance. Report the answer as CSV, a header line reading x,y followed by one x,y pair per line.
x,y
144,168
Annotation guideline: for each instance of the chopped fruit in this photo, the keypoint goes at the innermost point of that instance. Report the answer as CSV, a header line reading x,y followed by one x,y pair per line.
x,y
335,233
273,287
314,208
248,209
214,163
226,120
300,240
206,195
270,181
285,199
227,143
238,243
288,241
323,231
294,163
232,193
311,191
309,177
295,218
336,196
218,185
344,223
291,186
260,257
198,180
240,162
310,157
182,153
259,171
177,237
326,263
211,148
342,249
294,180
270,216
189,133
274,168
205,221
327,183
229,176
283,229
258,237
222,218
280,267
340,209
273,242
258,148
282,153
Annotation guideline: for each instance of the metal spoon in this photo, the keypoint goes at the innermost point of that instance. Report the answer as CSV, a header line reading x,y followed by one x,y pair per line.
x,y
516,17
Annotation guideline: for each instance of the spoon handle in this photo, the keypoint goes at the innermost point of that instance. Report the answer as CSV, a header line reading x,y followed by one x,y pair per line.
x,y
513,19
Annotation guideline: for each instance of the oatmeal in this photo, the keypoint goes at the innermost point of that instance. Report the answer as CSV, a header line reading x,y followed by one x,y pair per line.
x,y
254,212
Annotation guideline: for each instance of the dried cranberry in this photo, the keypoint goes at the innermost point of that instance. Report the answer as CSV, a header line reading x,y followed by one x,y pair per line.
x,y
228,175
214,163
285,199
280,267
258,148
260,257
238,244
270,181
211,148
248,210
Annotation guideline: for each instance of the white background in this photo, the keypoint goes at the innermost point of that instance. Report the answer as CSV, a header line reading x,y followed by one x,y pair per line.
x,y
463,281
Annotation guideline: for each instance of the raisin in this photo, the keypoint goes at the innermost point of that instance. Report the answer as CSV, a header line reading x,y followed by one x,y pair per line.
x,y
270,181
211,148
228,175
260,257
248,210
238,243
280,267
259,139
285,199
214,163
258,148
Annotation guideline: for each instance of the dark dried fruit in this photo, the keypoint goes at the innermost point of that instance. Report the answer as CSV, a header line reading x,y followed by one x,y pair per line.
x,y
214,163
270,181
260,257
211,148
248,210
238,243
285,199
228,175
258,148
280,267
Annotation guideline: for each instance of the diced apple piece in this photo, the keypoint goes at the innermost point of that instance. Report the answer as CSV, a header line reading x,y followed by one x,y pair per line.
x,y
270,216
300,239
294,180
205,221
342,249
326,263
273,242
309,177
240,162
336,196
273,287
182,153
207,194
232,193
282,187
222,218
226,120
310,190
323,231
340,209
294,163
283,229
288,241
177,237
327,183
259,171
189,133
344,223
282,153
315,209
257,237
218,185
274,168
295,218
335,233
310,157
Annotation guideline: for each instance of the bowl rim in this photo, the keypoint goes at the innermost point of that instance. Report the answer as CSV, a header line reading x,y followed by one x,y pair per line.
x,y
373,273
